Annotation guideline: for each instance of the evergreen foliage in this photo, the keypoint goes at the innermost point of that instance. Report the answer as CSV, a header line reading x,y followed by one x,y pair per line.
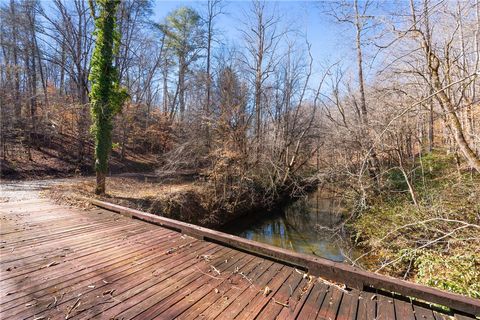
x,y
183,31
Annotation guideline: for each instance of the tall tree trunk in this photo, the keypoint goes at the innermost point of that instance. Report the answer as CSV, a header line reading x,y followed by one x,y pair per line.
x,y
35,49
258,98
100,177
82,115
209,82
181,86
452,118
104,81
33,87
165,87
62,69
431,118
374,167
16,67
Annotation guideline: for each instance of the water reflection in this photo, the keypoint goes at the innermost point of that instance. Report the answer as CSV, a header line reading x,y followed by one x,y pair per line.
x,y
304,226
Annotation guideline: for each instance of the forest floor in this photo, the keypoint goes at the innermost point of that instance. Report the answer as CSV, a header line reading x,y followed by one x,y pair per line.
x,y
58,159
437,241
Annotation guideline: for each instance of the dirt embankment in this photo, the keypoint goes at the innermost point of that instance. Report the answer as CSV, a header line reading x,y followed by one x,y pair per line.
x,y
178,197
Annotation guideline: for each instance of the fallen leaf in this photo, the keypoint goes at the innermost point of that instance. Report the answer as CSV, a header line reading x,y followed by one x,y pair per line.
x,y
110,292
266,291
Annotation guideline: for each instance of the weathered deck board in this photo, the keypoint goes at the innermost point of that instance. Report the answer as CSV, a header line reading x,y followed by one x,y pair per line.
x,y
59,262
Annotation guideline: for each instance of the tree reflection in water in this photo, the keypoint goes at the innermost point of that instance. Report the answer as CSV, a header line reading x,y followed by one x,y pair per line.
x,y
308,225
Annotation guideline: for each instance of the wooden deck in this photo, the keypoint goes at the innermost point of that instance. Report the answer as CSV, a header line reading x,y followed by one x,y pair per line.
x,y
65,263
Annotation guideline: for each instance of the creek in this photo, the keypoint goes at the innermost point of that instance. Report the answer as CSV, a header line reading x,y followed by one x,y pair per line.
x,y
308,225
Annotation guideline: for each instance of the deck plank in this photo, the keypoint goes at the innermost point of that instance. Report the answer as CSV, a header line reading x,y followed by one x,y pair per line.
x,y
422,313
404,309
367,306
385,307
296,299
215,298
57,267
137,286
181,301
246,279
331,303
104,275
109,266
261,299
314,301
248,295
348,306
283,299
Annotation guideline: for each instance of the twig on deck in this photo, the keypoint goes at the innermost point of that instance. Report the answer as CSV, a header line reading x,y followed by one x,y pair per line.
x,y
75,305
216,270
53,303
51,264
245,277
208,274
280,303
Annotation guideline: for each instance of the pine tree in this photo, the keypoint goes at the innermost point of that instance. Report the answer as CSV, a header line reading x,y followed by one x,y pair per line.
x,y
106,96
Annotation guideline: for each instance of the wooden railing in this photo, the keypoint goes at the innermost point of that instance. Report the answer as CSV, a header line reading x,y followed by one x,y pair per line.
x,y
334,271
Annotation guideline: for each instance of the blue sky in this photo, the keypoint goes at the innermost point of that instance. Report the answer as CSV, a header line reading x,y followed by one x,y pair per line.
x,y
328,39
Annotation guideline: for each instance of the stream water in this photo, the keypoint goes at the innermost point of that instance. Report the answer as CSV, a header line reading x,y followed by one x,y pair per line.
x,y
303,226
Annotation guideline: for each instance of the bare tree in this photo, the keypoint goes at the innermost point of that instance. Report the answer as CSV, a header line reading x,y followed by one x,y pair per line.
x,y
69,40
214,10
437,67
261,40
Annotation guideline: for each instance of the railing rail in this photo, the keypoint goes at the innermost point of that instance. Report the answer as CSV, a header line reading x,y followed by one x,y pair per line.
x,y
333,271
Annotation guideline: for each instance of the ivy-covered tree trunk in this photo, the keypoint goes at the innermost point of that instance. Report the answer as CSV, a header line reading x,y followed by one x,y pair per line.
x,y
106,98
